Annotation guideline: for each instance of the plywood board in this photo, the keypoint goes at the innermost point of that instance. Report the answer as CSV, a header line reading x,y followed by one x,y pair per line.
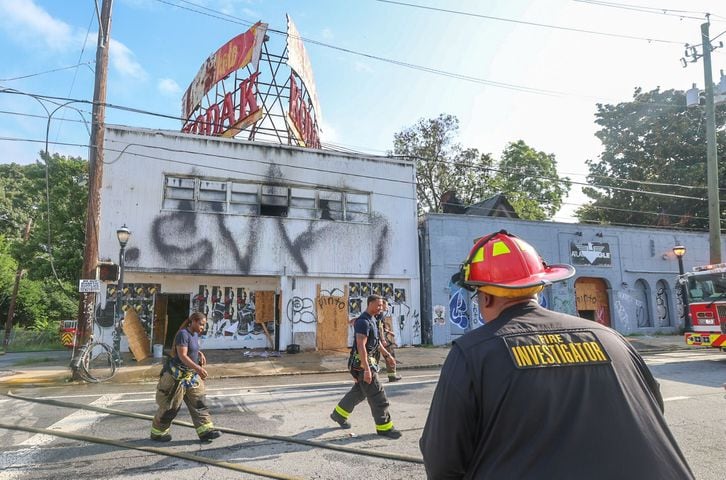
x,y
134,331
332,315
264,306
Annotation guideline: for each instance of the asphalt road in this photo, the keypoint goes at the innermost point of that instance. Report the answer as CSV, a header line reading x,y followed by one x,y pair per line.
x,y
299,407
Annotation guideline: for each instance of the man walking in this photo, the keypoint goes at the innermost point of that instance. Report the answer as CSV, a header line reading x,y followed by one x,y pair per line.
x,y
364,369
536,394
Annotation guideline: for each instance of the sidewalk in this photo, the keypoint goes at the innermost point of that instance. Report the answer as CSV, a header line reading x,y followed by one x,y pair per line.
x,y
52,368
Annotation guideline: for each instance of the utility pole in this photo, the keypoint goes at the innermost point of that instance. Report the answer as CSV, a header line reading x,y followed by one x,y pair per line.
x,y
14,297
95,177
714,212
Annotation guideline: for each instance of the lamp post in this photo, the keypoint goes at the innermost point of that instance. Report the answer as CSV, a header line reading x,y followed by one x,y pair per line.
x,y
123,235
679,251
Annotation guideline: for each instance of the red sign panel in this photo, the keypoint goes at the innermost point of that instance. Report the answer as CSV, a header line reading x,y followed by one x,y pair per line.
x,y
233,55
301,118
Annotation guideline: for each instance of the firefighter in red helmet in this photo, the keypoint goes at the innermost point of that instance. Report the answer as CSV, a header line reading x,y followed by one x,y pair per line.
x,y
535,393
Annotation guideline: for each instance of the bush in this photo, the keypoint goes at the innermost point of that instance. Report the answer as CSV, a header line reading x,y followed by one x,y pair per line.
x,y
26,340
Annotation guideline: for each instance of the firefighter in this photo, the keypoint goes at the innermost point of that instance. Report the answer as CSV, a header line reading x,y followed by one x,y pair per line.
x,y
535,393
388,340
364,369
182,379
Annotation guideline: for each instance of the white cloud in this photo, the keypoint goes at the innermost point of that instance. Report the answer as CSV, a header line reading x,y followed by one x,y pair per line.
x,y
29,24
121,58
169,87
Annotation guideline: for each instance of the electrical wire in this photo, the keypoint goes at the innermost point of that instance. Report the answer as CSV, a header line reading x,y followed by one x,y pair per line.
x,y
532,24
644,9
48,71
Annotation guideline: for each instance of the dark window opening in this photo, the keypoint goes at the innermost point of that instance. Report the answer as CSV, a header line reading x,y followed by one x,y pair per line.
x,y
273,210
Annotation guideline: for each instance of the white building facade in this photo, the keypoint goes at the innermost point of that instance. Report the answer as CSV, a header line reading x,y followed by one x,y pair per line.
x,y
278,245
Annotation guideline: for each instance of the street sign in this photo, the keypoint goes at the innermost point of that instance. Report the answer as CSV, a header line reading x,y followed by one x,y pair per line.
x,y
86,286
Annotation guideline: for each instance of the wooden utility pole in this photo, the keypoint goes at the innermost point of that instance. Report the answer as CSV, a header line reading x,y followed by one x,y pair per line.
x,y
13,299
714,206
95,176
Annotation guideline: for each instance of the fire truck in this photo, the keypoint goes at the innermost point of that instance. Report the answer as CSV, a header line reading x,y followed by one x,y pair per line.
x,y
705,288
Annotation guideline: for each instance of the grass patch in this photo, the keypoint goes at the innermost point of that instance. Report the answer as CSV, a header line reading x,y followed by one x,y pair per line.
x,y
32,361
22,340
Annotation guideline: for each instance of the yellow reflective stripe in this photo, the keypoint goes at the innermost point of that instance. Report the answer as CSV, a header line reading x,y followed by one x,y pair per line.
x,y
499,248
385,427
205,428
342,412
157,432
478,256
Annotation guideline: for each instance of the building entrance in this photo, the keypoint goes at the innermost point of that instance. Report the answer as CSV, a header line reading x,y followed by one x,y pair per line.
x,y
592,299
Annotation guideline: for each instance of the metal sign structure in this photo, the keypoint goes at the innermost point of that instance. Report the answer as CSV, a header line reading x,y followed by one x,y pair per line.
x,y
245,91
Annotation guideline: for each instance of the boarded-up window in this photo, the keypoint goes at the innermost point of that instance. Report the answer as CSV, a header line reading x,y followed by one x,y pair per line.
x,y
178,193
302,203
330,204
212,196
356,208
244,199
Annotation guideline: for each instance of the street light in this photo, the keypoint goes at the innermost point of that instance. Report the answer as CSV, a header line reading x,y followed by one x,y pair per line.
x,y
679,251
123,235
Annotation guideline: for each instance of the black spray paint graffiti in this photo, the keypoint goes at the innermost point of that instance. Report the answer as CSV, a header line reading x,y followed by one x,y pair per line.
x,y
178,239
186,248
301,310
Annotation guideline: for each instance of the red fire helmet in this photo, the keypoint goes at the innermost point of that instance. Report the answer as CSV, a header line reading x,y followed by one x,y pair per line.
x,y
504,260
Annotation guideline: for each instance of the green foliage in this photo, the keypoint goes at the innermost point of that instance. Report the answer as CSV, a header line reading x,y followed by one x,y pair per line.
x,y
652,140
46,292
443,165
24,340
530,181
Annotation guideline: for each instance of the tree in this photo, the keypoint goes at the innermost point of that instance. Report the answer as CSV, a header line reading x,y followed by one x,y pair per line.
x,y
23,192
445,168
530,181
46,292
654,151
442,164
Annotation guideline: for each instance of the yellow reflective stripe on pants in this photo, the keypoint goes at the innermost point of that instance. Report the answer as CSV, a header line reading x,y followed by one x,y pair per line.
x,y
202,429
342,412
385,427
157,432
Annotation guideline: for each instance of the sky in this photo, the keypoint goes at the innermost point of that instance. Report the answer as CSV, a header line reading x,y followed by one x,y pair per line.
x,y
509,70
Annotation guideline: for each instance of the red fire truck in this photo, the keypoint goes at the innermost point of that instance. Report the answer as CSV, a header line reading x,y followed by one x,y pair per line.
x,y
706,290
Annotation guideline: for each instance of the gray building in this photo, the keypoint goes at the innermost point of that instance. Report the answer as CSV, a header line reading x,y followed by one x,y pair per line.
x,y
626,277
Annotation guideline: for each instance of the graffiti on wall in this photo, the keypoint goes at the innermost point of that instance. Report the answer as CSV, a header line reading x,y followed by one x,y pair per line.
x,y
398,307
230,311
661,304
301,310
631,311
458,309
197,241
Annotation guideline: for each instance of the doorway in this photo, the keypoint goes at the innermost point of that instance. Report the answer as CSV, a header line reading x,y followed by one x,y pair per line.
x,y
592,301
177,310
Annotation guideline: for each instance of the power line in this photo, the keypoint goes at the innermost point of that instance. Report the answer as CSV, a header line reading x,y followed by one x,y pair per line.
x,y
533,24
644,9
88,63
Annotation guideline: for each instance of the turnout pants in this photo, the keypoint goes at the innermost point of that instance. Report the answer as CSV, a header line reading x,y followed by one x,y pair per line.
x,y
377,400
169,396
